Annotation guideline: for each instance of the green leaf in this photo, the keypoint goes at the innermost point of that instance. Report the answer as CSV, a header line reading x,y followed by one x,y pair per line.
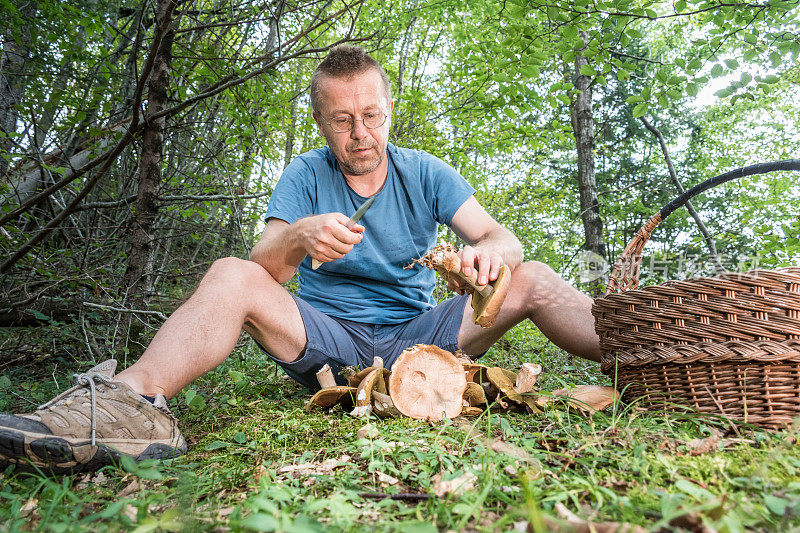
x,y
731,63
260,522
746,78
771,78
634,98
716,70
776,505
680,5
693,490
663,101
216,445
641,109
588,70
623,74
240,437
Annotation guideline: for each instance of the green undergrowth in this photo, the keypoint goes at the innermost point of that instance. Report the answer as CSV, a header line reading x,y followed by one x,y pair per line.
x,y
259,461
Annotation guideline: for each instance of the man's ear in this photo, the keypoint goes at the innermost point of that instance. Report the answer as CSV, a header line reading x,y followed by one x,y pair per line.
x,y
319,124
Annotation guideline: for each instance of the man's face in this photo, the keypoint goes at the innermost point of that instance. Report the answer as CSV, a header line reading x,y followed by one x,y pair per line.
x,y
360,150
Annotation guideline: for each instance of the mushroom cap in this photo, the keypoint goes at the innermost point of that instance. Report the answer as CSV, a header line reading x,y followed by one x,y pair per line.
x,y
427,382
474,395
329,397
485,310
504,381
475,372
356,379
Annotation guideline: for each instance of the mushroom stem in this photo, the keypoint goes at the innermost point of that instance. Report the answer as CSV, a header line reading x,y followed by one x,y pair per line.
x,y
325,377
450,262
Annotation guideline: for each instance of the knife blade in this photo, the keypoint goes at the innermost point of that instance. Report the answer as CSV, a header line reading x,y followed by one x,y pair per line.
x,y
349,225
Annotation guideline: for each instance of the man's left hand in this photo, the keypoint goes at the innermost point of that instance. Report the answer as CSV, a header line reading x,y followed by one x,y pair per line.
x,y
486,263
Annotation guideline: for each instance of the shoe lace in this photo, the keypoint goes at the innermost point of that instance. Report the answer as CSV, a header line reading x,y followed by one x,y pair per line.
x,y
82,381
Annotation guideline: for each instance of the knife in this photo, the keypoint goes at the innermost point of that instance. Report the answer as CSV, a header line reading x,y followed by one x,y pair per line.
x,y
349,225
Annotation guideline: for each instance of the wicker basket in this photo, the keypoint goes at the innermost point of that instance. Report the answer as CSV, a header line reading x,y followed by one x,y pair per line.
x,y
728,345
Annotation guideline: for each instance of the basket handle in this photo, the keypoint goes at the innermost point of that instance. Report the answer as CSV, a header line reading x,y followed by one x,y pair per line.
x,y
625,275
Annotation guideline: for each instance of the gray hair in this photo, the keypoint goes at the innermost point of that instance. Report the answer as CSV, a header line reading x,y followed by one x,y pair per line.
x,y
345,61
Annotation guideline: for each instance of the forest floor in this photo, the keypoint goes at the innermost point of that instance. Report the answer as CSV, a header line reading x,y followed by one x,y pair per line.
x,y
258,461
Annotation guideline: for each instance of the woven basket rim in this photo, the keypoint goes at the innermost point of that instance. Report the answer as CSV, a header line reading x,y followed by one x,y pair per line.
x,y
788,274
762,352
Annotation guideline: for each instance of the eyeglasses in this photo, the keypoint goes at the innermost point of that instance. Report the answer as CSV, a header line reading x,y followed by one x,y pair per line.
x,y
371,120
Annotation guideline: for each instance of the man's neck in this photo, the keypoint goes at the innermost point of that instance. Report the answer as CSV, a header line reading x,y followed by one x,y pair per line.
x,y
367,185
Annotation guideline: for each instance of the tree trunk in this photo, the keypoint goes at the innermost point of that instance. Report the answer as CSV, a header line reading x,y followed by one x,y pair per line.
x,y
137,281
13,56
583,129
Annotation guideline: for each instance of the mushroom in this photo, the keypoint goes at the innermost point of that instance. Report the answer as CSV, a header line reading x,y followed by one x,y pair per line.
x,y
427,383
474,395
325,377
373,381
589,398
383,406
475,372
354,378
486,299
503,380
330,396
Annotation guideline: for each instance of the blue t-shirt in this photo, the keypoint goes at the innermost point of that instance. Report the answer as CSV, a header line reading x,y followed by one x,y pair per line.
x,y
369,284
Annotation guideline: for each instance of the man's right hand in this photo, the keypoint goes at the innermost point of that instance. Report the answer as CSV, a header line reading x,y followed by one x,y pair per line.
x,y
326,238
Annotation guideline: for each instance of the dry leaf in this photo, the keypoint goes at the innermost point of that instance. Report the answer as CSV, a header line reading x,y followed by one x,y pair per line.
x,y
589,398
29,507
706,445
386,479
315,469
501,446
456,486
579,525
129,489
367,431
130,511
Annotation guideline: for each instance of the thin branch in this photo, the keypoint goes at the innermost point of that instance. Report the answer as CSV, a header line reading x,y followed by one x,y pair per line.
x,y
175,198
126,310
712,247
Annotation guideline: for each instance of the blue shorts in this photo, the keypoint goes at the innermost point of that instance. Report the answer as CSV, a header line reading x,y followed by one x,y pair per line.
x,y
341,342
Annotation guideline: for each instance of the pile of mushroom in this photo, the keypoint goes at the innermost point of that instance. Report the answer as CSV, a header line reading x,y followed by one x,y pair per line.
x,y
430,383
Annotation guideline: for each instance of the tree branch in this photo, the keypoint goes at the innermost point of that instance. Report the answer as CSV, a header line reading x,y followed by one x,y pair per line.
x,y
712,247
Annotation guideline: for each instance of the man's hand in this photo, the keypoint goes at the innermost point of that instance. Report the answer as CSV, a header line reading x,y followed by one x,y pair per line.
x,y
486,263
326,238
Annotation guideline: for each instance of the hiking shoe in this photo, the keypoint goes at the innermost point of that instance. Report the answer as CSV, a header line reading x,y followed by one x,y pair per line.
x,y
89,426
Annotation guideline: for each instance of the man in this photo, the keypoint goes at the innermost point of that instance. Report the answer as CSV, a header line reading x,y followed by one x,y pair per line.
x,y
361,302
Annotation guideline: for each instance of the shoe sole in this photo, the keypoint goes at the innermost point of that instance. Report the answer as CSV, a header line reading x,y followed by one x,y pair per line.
x,y
33,452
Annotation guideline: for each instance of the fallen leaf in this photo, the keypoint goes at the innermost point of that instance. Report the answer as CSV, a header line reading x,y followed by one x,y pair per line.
x,y
588,398
315,469
368,431
577,524
706,445
29,507
386,479
129,489
130,511
456,486
501,446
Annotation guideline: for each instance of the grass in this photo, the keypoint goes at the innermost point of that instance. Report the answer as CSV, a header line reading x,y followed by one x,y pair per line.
x,y
246,427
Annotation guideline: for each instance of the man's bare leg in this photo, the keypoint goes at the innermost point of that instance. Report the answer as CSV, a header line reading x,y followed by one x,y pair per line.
x,y
559,310
233,295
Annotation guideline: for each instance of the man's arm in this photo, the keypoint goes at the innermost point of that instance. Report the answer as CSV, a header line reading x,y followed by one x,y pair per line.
x,y
490,244
283,246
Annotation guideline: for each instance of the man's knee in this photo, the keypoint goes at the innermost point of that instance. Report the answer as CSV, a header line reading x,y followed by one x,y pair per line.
x,y
538,282
232,273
